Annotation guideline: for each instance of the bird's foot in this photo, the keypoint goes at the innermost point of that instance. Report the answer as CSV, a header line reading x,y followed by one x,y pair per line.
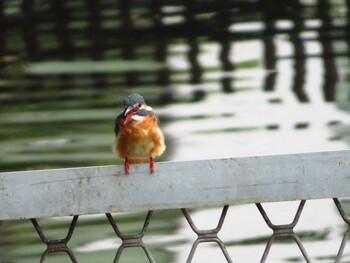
x,y
151,164
126,166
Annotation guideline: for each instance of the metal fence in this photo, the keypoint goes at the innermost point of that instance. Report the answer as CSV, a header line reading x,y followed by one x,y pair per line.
x,y
177,185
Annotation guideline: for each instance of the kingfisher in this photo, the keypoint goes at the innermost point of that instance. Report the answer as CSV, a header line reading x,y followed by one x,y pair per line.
x,y
138,136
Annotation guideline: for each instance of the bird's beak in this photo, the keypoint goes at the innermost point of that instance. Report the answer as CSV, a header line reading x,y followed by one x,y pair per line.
x,y
129,112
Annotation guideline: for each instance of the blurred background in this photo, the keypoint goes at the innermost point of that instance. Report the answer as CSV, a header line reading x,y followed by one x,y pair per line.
x,y
226,78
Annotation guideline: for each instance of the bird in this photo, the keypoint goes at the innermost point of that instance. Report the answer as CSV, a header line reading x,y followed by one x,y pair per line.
x,y
138,136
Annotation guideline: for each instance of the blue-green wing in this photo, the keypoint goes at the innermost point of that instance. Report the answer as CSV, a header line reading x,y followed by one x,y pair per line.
x,y
117,123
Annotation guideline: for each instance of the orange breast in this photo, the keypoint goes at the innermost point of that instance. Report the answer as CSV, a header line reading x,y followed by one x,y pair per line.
x,y
140,139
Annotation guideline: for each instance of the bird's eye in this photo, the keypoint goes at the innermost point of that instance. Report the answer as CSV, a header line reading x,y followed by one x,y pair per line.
x,y
139,105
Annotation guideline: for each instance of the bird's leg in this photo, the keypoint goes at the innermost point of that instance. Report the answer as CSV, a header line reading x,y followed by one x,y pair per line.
x,y
151,164
126,166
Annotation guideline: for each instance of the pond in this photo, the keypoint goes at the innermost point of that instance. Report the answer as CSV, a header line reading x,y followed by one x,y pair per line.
x,y
226,78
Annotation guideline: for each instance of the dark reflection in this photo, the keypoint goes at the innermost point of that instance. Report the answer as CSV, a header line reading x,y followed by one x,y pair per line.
x,y
305,236
270,58
299,52
160,42
2,29
29,31
133,31
330,75
191,34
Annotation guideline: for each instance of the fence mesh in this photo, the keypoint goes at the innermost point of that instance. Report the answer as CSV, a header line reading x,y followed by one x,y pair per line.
x,y
203,235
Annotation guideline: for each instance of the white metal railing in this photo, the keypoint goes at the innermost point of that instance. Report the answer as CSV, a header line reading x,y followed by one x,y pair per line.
x,y
175,185
204,183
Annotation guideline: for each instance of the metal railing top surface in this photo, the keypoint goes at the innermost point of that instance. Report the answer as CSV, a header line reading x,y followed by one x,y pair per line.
x,y
184,184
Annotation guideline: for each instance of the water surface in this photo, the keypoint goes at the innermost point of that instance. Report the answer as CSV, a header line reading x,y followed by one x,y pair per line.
x,y
227,79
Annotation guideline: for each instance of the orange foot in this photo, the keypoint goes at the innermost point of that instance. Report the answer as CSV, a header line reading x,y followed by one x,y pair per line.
x,y
151,164
126,166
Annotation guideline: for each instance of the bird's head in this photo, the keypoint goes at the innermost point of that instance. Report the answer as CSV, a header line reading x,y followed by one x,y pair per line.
x,y
133,104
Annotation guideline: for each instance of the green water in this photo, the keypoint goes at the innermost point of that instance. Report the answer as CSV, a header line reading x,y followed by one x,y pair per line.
x,y
219,87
